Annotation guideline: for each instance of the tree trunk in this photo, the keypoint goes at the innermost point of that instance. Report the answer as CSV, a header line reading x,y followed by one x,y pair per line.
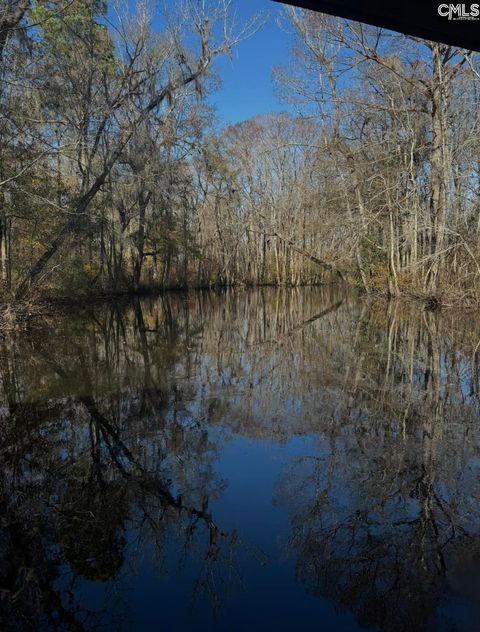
x,y
438,163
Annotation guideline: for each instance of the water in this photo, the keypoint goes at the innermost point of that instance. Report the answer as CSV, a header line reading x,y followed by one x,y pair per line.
x,y
250,460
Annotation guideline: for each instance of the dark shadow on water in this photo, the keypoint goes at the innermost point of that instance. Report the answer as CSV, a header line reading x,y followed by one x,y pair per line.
x,y
261,459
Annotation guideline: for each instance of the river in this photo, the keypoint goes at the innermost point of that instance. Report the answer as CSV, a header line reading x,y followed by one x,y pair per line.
x,y
246,460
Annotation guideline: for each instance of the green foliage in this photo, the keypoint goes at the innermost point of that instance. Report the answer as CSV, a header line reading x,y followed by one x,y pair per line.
x,y
68,30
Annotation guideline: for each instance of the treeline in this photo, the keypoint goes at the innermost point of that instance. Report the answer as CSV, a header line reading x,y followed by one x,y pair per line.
x,y
103,125
114,176
377,179
398,129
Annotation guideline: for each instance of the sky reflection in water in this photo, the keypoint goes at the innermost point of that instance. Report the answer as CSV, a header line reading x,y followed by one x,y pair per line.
x,y
267,459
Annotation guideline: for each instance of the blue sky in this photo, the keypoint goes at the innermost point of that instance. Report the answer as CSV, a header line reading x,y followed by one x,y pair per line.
x,y
247,88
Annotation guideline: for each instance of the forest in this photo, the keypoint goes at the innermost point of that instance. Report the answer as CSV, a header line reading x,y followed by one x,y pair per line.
x,y
116,176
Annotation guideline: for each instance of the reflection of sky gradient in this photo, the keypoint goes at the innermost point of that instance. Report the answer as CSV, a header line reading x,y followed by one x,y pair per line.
x,y
267,595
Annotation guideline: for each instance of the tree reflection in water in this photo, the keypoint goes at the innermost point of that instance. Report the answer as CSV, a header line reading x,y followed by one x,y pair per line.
x,y
113,422
385,516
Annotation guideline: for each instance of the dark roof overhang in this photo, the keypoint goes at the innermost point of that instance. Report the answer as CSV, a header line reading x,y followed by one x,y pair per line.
x,y
419,18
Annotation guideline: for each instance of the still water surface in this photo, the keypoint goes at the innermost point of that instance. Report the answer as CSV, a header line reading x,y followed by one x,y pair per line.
x,y
251,460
